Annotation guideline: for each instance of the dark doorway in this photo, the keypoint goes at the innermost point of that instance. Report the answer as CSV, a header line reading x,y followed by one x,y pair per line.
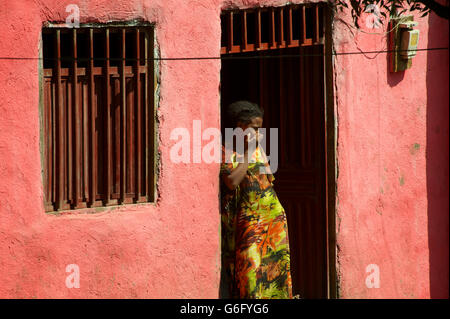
x,y
289,85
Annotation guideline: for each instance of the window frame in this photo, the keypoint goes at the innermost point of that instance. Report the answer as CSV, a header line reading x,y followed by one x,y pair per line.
x,y
58,195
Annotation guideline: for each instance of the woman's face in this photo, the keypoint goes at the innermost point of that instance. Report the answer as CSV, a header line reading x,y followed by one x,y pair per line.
x,y
255,123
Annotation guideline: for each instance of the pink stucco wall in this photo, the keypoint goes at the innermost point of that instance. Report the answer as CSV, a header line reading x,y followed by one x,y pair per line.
x,y
392,153
172,249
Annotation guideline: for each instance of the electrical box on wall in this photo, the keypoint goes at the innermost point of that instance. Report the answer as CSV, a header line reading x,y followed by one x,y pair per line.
x,y
409,41
403,41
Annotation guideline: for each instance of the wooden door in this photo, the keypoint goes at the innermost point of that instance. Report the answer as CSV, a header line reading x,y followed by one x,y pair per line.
x,y
291,92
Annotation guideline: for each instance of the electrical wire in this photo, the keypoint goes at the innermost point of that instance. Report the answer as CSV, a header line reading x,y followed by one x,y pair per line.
x,y
223,57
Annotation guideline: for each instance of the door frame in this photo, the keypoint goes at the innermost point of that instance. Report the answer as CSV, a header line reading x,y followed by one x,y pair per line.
x,y
330,143
330,155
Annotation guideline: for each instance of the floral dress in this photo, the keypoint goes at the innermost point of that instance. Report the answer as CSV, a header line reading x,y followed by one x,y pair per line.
x,y
255,244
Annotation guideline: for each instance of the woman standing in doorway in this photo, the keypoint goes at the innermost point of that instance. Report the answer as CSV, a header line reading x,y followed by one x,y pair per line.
x,y
255,245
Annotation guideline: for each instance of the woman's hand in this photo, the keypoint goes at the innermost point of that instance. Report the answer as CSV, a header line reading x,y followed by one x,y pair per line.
x,y
239,172
251,139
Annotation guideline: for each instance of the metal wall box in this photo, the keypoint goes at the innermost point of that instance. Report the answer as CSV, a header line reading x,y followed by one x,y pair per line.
x,y
400,25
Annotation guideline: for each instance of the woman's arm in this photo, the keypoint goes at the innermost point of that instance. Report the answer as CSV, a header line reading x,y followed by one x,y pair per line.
x,y
238,173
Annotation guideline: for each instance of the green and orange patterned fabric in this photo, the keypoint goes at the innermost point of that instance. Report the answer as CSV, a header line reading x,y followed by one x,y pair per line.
x,y
255,244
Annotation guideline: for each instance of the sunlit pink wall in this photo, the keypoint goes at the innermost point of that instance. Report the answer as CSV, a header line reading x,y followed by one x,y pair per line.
x,y
172,249
388,126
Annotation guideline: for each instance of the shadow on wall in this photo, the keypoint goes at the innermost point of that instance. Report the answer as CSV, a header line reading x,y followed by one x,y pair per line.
x,y
437,156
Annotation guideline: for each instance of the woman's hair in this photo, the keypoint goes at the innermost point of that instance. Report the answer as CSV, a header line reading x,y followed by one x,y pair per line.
x,y
242,111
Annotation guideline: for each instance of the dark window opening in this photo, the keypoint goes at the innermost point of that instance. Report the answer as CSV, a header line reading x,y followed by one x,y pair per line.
x,y
265,26
309,22
237,29
286,25
98,116
251,27
278,29
296,20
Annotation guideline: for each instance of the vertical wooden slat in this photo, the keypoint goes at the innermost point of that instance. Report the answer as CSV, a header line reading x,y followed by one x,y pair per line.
x,y
65,91
116,118
85,149
54,144
258,29
150,117
230,31
51,148
316,24
122,119
303,25
290,34
130,143
60,132
138,119
48,150
244,30
108,177
69,145
76,122
45,122
281,28
146,114
93,113
272,41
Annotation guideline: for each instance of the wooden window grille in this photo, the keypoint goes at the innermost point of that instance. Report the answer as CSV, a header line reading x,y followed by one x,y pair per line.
x,y
259,29
98,116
